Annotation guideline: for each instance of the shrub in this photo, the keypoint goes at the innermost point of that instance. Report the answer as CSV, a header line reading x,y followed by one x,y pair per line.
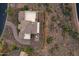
x,y
25,8
49,40
67,13
28,50
13,47
66,28
10,11
74,34
71,32
67,10
2,46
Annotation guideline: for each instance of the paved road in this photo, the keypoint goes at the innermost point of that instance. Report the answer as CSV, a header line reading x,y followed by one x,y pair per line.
x,y
17,38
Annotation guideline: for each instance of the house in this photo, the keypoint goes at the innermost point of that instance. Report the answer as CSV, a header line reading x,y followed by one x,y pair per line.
x,y
28,25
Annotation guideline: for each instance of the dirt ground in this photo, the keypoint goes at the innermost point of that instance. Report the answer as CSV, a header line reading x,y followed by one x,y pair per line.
x,y
51,17
61,44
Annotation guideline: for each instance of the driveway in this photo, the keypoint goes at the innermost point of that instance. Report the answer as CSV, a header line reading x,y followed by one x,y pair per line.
x,y
17,38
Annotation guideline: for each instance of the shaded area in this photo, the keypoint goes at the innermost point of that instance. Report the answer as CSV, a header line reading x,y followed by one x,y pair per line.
x,y
77,6
3,7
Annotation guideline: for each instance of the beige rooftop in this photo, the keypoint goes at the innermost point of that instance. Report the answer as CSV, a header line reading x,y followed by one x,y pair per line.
x,y
27,16
30,16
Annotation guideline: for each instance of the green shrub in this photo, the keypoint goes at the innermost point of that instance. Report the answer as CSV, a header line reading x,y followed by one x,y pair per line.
x,y
74,34
25,8
67,10
13,47
2,46
71,32
28,50
66,28
49,40
67,13
10,11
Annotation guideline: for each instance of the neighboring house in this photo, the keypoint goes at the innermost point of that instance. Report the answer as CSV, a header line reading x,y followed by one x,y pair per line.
x,y
29,27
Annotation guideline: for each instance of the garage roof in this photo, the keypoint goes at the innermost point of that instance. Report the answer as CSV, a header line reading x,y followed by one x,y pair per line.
x,y
27,36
